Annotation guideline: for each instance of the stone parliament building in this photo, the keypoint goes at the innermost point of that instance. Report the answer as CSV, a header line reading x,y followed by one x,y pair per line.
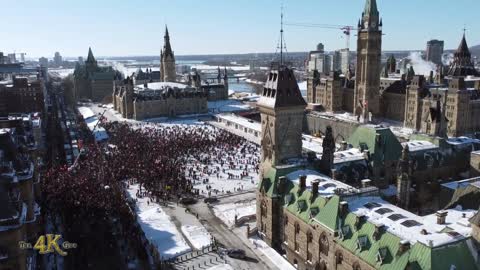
x,y
442,104
320,221
169,97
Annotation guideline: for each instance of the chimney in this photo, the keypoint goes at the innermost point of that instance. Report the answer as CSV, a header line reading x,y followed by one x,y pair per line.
x,y
344,146
366,154
343,208
315,184
282,182
334,174
303,182
366,183
441,217
404,246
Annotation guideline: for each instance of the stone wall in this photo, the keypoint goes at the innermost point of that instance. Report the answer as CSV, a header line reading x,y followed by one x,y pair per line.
x,y
169,107
342,130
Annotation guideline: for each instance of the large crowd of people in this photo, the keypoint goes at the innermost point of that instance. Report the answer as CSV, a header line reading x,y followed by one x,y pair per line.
x,y
166,161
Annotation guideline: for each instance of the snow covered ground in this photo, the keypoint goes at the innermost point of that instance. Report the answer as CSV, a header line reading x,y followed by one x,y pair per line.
x,y
271,254
221,267
227,212
197,235
158,227
227,106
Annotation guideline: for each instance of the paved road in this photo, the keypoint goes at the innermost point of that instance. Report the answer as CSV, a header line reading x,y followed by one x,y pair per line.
x,y
229,239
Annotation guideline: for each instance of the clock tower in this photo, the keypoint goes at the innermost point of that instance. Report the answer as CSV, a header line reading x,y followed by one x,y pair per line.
x,y
369,52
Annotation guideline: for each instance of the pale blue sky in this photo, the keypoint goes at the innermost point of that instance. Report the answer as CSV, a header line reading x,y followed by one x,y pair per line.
x,y
128,27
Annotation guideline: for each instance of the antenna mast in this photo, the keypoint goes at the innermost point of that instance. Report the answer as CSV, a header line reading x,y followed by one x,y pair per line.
x,y
281,35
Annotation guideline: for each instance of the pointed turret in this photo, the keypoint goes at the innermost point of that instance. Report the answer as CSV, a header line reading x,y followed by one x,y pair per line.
x,y
225,74
328,146
167,60
90,58
167,48
370,8
462,64
219,75
370,16
403,179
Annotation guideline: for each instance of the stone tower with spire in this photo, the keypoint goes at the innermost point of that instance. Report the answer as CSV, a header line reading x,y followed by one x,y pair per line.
x,y
167,61
462,64
404,179
328,146
91,63
369,49
225,81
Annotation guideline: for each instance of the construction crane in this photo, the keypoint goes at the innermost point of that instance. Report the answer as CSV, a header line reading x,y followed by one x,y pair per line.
x,y
346,29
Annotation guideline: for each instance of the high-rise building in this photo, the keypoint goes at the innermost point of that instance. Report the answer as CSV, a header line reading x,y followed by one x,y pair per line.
x,y
12,58
80,59
336,61
435,51
369,52
22,57
57,59
43,62
345,60
319,61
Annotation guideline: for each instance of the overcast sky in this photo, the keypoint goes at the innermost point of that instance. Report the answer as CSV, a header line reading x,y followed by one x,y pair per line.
x,y
127,27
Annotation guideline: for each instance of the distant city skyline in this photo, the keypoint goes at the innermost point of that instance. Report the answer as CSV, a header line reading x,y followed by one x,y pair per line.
x,y
114,28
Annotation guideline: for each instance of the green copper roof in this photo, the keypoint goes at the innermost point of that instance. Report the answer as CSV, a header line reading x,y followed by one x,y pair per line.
x,y
381,142
381,248
371,8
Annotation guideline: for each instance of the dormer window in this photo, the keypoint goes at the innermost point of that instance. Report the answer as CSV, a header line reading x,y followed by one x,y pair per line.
x,y
314,211
382,254
362,242
345,231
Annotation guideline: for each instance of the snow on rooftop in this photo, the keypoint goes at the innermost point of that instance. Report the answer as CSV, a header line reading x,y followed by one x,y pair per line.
x,y
242,121
419,145
162,85
86,112
327,185
228,105
462,140
409,226
463,183
352,154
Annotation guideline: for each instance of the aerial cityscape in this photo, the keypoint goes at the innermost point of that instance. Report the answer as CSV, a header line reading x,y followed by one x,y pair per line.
x,y
357,154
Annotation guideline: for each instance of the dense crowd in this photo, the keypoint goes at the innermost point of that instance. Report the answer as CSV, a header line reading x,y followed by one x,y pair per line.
x,y
166,161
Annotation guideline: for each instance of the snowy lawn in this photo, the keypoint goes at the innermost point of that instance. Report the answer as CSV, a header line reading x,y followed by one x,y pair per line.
x,y
158,227
221,267
271,254
227,212
198,236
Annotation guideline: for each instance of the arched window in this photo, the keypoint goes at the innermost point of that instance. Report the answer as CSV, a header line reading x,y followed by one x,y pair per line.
x,y
324,245
339,257
263,209
297,231
356,266
309,245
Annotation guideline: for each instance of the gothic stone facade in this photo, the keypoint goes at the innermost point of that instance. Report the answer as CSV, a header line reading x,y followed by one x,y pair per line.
x,y
91,81
164,100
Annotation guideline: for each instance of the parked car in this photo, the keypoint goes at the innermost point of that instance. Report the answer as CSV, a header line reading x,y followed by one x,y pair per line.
x,y
188,200
236,253
210,200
